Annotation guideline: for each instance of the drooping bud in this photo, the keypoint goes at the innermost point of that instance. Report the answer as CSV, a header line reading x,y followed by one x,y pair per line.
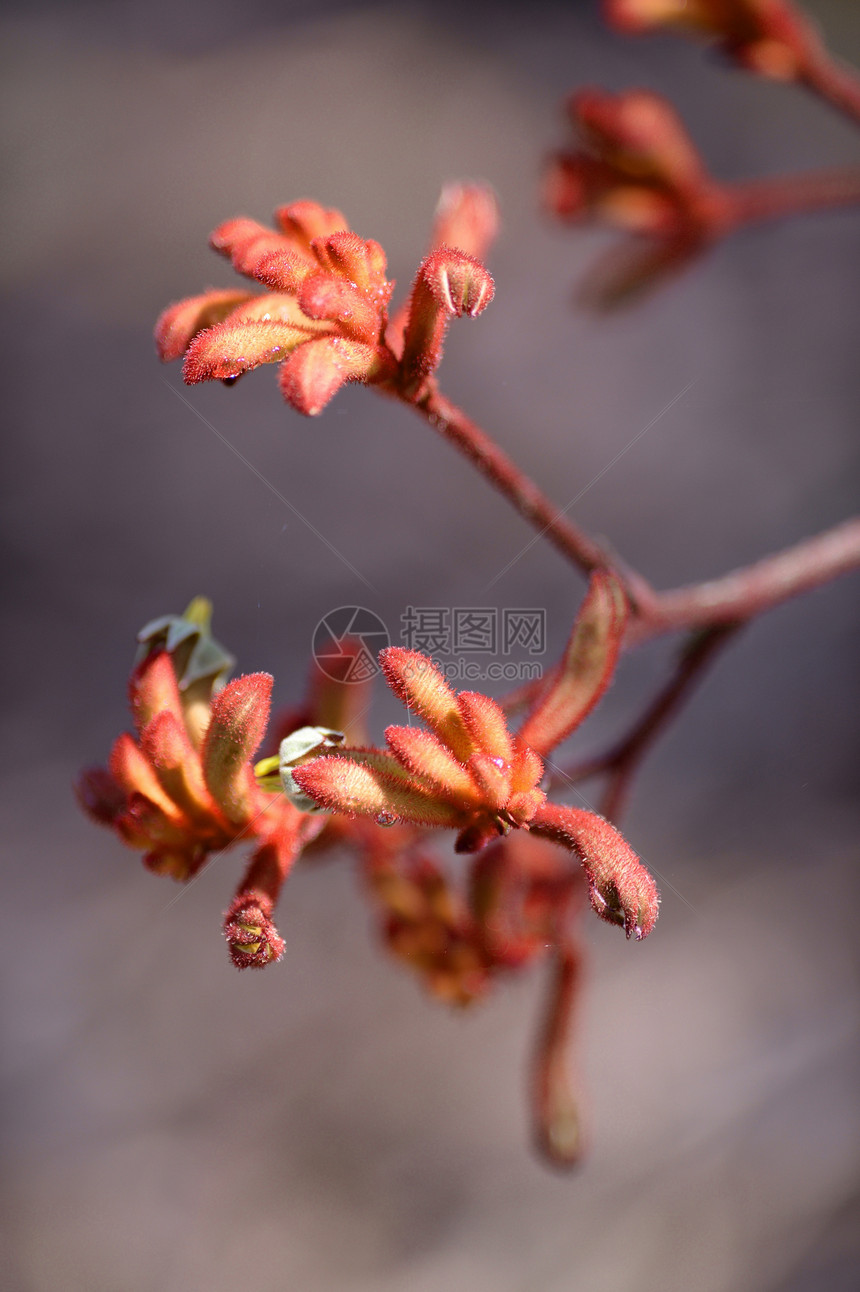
x,y
636,267
557,1121
620,888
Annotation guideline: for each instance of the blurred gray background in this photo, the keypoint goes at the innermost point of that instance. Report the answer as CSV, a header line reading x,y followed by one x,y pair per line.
x,y
171,1124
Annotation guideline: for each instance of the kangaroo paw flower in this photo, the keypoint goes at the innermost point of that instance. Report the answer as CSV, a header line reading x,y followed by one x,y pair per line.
x,y
323,317
637,170
770,37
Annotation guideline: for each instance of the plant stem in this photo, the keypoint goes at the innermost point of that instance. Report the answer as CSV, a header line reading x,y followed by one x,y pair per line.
x,y
556,1116
623,759
838,86
733,598
738,596
786,195
524,495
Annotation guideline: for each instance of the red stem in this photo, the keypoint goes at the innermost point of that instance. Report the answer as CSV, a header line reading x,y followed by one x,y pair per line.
x,y
732,598
837,85
743,593
623,759
556,1117
524,495
786,195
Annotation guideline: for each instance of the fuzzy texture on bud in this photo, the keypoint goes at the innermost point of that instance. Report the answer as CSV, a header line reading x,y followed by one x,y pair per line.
x,y
253,940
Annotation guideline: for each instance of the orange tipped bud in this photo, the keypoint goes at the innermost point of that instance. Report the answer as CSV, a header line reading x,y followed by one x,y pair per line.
x,y
239,716
132,770
168,747
424,755
419,685
153,689
356,789
179,324
486,724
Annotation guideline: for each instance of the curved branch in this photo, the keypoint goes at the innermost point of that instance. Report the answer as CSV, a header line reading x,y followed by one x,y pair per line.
x,y
623,759
522,492
737,596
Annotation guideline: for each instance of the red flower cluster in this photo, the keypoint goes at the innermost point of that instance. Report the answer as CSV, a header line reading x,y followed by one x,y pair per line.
x,y
184,786
324,315
767,36
636,169
469,773
520,898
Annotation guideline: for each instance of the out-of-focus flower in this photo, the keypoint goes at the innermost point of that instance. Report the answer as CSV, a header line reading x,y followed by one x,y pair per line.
x,y
767,36
636,169
324,315
519,899
470,773
183,786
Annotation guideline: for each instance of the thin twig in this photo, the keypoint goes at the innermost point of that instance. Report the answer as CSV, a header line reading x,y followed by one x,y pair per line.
x,y
621,762
747,592
557,1121
780,196
837,85
524,495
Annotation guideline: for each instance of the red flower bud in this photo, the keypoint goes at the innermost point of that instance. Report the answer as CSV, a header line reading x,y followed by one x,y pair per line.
x,y
239,716
767,36
315,372
181,322
621,889
586,669
467,217
253,940
449,284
